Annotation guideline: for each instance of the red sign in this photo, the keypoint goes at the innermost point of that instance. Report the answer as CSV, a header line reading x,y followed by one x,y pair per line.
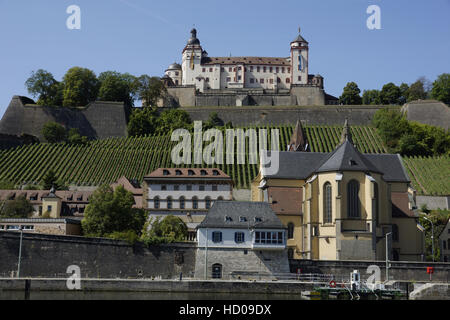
x,y
430,270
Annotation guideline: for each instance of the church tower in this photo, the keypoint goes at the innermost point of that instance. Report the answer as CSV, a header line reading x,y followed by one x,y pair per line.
x,y
299,60
192,55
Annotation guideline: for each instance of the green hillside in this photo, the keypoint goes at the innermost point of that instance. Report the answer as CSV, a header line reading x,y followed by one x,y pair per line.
x,y
104,161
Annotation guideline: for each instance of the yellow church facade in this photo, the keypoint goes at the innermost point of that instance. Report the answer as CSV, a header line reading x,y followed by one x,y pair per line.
x,y
343,205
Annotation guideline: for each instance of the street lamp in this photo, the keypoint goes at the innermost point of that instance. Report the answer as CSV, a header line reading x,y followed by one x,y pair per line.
x,y
20,251
432,236
387,257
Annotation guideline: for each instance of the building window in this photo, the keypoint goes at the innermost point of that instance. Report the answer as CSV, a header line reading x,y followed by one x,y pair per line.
x,y
444,244
156,202
40,210
252,80
215,173
217,236
242,219
290,233
2,227
201,187
282,69
277,69
203,69
257,69
163,187
228,219
261,80
327,208
214,187
28,227
182,203
353,208
194,203
239,237
220,198
299,78
169,202
290,253
189,187
166,172
270,69
207,79
207,203
190,172
228,79
210,70
375,202
176,187
268,237
288,80
229,69
216,271
251,68
239,77
222,69
11,227
264,69
278,80
176,82
49,208
289,70
258,219
176,73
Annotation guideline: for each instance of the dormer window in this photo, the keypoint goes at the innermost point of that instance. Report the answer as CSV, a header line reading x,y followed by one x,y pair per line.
x,y
80,197
190,172
166,172
228,219
352,162
203,172
178,172
215,173
258,219
242,219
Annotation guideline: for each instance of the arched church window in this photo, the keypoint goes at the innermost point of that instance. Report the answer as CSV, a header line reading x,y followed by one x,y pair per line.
x,y
327,213
353,207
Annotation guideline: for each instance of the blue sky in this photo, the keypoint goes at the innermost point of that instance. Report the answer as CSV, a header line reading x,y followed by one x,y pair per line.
x,y
144,37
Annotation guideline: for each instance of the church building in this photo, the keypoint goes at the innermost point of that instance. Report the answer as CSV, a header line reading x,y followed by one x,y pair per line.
x,y
342,205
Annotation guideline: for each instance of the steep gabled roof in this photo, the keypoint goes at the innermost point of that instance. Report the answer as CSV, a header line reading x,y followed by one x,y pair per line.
x,y
298,140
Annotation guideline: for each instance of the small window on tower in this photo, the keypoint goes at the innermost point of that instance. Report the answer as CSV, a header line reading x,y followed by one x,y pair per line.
x,y
203,69
299,78
210,69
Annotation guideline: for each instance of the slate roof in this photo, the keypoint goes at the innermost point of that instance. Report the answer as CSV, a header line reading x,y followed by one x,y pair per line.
x,y
216,216
302,165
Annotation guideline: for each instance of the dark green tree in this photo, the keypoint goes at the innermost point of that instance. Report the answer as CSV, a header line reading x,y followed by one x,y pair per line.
x,y
350,94
80,87
6,185
416,91
441,88
404,93
110,211
17,208
74,137
50,180
143,121
115,86
172,119
54,132
390,94
42,84
391,125
149,90
371,97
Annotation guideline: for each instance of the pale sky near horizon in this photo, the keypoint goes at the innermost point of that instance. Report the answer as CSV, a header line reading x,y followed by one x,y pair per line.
x,y
144,37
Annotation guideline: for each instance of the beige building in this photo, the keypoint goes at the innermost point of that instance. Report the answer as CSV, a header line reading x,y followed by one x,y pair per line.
x,y
342,205
444,243
58,226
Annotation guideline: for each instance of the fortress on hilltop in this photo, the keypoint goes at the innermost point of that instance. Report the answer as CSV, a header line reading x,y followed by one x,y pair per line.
x,y
201,80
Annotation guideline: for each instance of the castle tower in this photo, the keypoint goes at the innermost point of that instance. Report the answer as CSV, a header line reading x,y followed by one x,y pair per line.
x,y
192,56
299,60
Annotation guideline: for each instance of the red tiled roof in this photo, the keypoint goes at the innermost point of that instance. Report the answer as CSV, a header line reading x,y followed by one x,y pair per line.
x,y
286,200
400,205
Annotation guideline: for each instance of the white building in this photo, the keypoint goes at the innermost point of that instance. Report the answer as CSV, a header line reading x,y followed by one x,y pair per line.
x,y
185,192
273,73
241,239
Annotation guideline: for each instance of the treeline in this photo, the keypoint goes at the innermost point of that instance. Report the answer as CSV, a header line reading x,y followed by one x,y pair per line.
x,y
410,138
391,94
79,86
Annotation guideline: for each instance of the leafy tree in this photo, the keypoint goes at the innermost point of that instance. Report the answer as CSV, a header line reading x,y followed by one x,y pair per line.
x,y
441,88
143,121
54,132
371,97
74,137
115,86
111,211
149,90
350,94
172,119
390,94
80,87
17,208
169,229
417,91
391,125
214,121
51,180
42,84
439,219
404,93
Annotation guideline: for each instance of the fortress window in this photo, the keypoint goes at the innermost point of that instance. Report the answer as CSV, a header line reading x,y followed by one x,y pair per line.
x,y
207,202
156,202
299,78
270,69
264,69
289,70
288,80
257,69
207,79
228,79
169,202
277,69
229,69
252,80
282,70
270,80
182,202
210,69
261,80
